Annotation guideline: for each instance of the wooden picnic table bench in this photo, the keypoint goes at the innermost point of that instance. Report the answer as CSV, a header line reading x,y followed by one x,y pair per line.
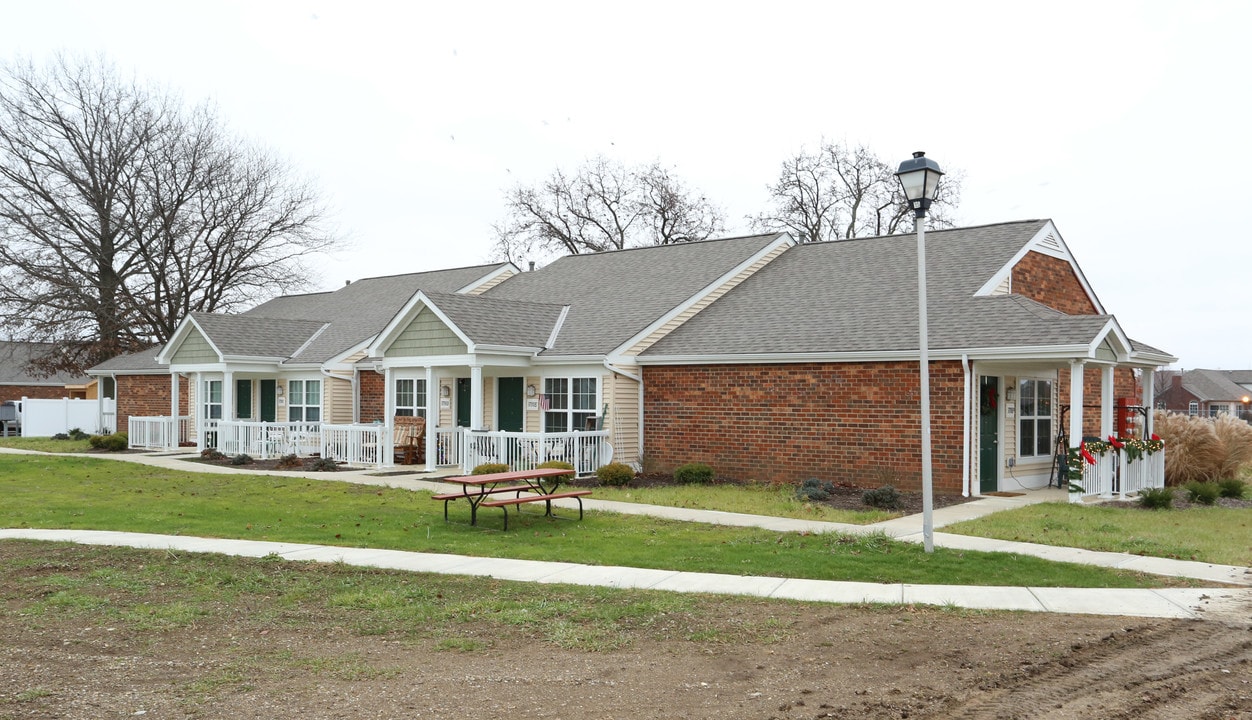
x,y
536,485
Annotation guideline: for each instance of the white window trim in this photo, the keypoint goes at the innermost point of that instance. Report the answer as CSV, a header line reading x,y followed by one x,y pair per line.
x,y
569,411
418,408
291,397
1022,418
208,403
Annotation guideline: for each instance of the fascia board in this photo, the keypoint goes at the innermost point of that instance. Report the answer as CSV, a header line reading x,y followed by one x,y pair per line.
x,y
506,349
497,272
198,367
1151,359
1059,352
184,329
424,361
1112,331
783,239
1036,244
253,359
404,317
569,359
342,358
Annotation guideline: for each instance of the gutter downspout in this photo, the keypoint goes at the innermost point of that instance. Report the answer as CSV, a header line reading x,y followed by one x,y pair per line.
x,y
968,420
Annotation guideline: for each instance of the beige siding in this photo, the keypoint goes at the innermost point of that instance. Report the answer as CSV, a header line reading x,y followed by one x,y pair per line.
x,y
194,350
622,396
1005,287
489,402
704,302
534,418
447,417
484,287
1106,352
353,359
337,400
426,335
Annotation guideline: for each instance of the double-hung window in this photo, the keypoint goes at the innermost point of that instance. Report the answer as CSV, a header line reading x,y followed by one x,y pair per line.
x,y
410,397
304,401
1034,437
213,399
568,403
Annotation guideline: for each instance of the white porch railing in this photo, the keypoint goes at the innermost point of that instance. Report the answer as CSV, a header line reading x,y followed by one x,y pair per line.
x,y
1114,473
157,433
268,440
586,451
448,444
361,444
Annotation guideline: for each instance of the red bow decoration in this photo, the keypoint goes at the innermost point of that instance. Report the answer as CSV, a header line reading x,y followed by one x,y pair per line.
x,y
1156,438
1082,450
1116,443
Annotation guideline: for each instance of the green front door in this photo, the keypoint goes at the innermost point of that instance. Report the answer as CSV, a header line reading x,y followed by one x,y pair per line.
x,y
269,408
510,406
463,402
243,399
988,435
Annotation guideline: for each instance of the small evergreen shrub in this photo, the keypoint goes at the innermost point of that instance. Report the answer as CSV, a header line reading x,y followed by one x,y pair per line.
x,y
1157,498
559,465
489,468
1233,488
323,465
212,454
78,434
242,459
111,443
693,474
615,474
1205,493
884,498
60,436
289,462
815,489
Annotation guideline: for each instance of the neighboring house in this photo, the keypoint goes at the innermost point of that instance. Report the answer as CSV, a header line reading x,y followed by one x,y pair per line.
x,y
17,381
1207,393
765,358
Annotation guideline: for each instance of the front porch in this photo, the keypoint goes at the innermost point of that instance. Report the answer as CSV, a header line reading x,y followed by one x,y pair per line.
x,y
372,444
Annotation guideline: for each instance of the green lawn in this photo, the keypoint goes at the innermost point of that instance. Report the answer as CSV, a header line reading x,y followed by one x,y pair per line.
x,y
1212,534
42,491
43,444
751,499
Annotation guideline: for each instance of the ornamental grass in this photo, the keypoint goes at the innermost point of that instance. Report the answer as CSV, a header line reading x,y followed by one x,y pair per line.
x,y
1200,449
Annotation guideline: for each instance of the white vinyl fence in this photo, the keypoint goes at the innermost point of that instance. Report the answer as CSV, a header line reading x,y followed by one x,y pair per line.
x,y
45,418
586,451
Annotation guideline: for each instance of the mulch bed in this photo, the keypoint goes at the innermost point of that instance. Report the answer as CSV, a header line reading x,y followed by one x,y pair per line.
x,y
311,464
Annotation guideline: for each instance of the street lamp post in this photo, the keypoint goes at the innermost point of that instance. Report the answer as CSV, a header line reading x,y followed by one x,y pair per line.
x,y
919,177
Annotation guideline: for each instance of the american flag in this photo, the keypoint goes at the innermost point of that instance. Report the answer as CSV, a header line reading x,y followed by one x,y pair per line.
x,y
544,404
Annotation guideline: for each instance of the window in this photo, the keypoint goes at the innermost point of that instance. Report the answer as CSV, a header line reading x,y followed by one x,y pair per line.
x,y
410,397
1193,408
568,403
1216,409
1034,437
304,402
213,399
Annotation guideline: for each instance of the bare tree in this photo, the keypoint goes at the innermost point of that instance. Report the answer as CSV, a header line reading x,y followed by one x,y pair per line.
x,y
604,205
121,211
844,192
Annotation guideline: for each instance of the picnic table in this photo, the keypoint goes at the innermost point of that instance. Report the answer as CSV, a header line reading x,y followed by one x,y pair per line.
x,y
527,486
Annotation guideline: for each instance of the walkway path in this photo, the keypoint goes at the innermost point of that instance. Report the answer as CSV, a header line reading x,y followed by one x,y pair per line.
x,y
1225,603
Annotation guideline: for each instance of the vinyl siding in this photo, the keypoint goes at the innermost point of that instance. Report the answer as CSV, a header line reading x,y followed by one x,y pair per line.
x,y
426,335
194,350
480,289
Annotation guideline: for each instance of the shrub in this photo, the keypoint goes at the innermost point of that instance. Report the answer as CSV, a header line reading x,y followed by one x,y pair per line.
x,y
289,462
1157,498
112,443
559,465
1205,493
78,434
324,465
815,489
615,474
60,436
242,459
885,498
1233,488
489,468
1199,448
212,454
693,474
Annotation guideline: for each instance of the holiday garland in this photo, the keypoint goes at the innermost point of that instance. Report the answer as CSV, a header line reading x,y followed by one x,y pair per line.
x,y
1135,449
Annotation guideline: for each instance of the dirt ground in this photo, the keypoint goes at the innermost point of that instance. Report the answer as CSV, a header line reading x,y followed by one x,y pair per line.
x,y
81,660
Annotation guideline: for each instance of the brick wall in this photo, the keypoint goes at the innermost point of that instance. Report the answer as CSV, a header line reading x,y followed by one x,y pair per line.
x,y
1124,385
34,392
373,389
1052,282
852,422
147,396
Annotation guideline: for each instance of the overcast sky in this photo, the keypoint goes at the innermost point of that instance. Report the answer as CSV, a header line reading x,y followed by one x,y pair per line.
x,y
1120,121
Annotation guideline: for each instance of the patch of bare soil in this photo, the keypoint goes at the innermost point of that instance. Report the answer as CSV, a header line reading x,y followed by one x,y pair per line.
x,y
311,464
282,657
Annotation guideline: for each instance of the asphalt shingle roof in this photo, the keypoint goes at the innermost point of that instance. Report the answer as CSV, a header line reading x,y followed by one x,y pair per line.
x,y
1212,385
492,321
131,362
15,356
614,295
252,336
860,295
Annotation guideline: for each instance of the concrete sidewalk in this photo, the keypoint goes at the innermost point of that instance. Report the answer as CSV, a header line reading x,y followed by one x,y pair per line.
x,y
1150,603
1207,603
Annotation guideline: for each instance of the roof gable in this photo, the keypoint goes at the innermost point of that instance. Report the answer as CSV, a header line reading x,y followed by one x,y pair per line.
x,y
443,324
1046,241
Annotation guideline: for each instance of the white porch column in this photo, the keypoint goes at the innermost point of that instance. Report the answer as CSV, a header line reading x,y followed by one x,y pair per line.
x,y
228,395
432,417
175,433
1075,412
476,397
389,396
1148,399
1106,401
197,412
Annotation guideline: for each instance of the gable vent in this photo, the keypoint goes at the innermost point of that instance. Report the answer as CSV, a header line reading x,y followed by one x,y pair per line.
x,y
1050,243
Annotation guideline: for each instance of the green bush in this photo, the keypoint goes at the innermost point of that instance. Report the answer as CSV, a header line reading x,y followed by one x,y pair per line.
x,y
324,465
112,443
489,468
615,474
1233,488
242,459
1157,498
1205,493
693,474
60,436
815,489
78,434
559,465
885,498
